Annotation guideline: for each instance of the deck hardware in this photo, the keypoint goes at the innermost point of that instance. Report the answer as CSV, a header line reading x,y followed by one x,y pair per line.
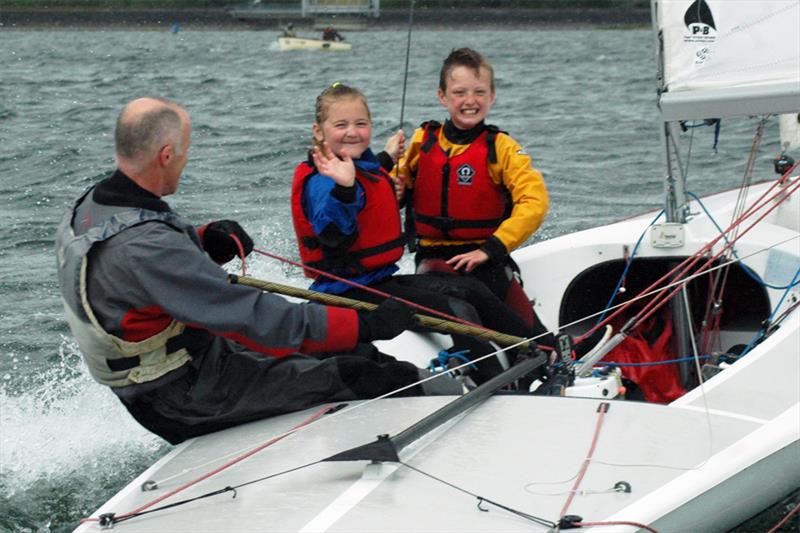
x,y
622,486
106,521
149,485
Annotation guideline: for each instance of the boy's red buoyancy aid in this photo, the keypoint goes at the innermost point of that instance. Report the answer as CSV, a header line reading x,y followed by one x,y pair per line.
x,y
379,241
455,197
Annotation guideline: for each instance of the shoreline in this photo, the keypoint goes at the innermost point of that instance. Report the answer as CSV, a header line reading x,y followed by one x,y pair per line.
x,y
392,19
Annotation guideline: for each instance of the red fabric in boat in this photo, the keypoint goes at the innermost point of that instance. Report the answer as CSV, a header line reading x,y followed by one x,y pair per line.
x,y
648,343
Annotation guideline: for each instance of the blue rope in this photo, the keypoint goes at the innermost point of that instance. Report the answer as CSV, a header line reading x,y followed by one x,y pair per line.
x,y
746,268
627,267
717,123
761,332
655,363
440,361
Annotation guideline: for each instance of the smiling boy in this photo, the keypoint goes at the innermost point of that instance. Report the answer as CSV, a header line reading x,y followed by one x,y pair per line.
x,y
473,195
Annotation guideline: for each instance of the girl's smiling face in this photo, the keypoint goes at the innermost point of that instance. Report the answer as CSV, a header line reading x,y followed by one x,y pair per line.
x,y
347,127
468,97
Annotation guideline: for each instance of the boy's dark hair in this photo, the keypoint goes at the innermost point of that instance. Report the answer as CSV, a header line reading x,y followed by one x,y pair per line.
x,y
464,57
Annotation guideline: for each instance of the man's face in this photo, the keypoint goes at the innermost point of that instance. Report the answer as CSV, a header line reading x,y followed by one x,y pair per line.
x,y
468,96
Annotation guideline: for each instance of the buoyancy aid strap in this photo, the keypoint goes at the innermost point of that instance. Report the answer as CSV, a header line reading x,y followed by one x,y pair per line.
x,y
349,259
431,127
491,135
445,223
380,248
411,229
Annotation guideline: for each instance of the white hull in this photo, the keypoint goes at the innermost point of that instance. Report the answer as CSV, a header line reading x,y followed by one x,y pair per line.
x,y
705,462
296,43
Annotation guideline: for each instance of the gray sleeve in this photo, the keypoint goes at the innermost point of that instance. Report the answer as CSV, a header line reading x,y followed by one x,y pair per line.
x,y
170,271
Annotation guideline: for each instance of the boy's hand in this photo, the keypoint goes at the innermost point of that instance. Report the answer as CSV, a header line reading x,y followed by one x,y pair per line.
x,y
468,261
396,146
342,171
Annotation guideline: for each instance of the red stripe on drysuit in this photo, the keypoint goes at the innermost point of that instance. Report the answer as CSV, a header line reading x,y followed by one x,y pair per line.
x,y
342,335
140,324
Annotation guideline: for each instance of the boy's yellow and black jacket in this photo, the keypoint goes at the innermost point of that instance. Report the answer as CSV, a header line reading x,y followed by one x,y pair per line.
x,y
512,170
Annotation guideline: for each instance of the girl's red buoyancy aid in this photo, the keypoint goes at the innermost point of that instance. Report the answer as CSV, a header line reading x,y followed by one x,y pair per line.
x,y
379,241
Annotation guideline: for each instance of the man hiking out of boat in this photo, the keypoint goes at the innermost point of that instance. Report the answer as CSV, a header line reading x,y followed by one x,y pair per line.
x,y
347,221
157,321
471,191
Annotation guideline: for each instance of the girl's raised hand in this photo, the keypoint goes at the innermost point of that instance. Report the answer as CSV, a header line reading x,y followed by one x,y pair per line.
x,y
341,170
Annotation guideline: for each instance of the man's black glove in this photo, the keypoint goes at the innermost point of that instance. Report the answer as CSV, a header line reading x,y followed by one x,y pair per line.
x,y
219,244
387,321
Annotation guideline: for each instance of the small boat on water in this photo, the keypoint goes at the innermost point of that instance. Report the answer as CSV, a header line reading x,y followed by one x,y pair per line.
x,y
299,43
707,289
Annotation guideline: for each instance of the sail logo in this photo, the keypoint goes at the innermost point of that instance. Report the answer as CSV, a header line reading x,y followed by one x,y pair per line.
x,y
465,173
700,23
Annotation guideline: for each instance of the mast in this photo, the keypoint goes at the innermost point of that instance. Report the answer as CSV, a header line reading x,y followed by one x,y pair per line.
x,y
674,194
674,200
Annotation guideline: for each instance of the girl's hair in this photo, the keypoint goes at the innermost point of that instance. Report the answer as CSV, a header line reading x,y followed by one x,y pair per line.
x,y
464,57
337,91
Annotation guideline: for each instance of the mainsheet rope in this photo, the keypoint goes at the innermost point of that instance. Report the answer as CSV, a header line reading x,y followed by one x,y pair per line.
x,y
368,289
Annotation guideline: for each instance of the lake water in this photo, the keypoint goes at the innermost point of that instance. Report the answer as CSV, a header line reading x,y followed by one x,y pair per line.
x,y
581,101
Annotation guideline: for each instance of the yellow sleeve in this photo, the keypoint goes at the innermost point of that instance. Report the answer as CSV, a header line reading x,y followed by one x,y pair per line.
x,y
514,170
407,165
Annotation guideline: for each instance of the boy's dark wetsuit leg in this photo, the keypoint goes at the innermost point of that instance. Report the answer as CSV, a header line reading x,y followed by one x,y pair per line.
x,y
497,277
430,292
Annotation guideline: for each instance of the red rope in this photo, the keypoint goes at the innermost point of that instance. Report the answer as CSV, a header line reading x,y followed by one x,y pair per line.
x,y
241,251
230,463
785,519
655,303
603,409
616,523
683,268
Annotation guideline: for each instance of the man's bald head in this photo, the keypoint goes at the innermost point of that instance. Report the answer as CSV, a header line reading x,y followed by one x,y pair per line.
x,y
147,124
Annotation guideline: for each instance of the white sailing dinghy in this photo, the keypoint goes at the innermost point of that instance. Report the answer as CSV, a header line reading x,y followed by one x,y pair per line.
x,y
286,44
720,439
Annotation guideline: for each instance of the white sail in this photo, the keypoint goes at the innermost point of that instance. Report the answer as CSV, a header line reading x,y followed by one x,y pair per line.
x,y
729,57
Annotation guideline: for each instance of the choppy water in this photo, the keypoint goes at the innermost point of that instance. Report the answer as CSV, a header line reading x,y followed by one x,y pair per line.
x,y
582,101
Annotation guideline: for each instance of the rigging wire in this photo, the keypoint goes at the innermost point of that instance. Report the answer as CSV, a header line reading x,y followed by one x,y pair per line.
x,y
746,268
681,270
142,508
408,54
481,499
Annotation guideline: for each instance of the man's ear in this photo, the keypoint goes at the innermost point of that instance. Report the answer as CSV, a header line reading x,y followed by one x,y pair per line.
x,y
165,154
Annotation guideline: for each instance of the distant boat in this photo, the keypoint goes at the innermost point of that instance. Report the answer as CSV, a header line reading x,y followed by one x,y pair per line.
x,y
299,43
